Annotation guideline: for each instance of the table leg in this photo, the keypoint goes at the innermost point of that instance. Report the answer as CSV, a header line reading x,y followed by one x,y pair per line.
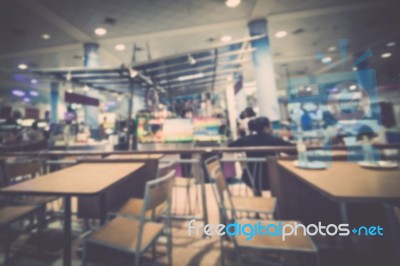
x,y
393,230
203,197
343,212
67,231
103,208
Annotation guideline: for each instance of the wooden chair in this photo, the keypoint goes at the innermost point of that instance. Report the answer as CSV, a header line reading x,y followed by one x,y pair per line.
x,y
256,205
133,207
135,236
264,243
8,216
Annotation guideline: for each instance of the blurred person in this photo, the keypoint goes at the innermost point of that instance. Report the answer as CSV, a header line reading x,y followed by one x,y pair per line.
x,y
245,116
262,137
35,134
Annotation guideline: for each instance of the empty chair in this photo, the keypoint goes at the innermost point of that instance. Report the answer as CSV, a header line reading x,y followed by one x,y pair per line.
x,y
258,242
133,235
240,204
8,216
133,207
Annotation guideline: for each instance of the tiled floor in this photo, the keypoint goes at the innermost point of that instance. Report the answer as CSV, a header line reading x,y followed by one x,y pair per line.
x,y
46,249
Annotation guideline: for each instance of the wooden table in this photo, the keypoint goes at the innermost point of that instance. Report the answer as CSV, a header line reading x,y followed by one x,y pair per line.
x,y
80,180
347,182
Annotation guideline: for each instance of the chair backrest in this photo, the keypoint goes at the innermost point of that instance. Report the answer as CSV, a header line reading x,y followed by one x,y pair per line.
x,y
165,167
157,195
23,168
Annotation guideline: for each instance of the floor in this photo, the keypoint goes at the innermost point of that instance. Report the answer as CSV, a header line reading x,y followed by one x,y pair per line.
x,y
46,248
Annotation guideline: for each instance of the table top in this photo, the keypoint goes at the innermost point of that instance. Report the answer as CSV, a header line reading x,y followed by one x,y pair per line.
x,y
349,181
155,156
82,179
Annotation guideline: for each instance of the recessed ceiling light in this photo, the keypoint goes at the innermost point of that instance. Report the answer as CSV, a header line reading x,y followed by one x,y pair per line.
x,y
353,87
27,100
232,3
133,73
226,38
386,55
34,93
390,44
33,81
280,34
46,36
22,66
355,68
18,93
332,48
191,60
100,31
326,60
120,47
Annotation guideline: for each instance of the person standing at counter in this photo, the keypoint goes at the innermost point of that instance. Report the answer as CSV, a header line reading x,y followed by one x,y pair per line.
x,y
262,137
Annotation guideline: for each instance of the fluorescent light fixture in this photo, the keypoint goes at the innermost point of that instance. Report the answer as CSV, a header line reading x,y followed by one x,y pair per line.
x,y
332,48
232,3
280,34
326,60
86,88
46,36
34,93
18,93
391,44
191,60
189,77
33,81
386,55
226,38
353,87
22,66
133,73
100,31
120,47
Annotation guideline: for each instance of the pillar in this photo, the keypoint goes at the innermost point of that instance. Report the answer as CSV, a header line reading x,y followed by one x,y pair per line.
x,y
267,93
91,60
54,98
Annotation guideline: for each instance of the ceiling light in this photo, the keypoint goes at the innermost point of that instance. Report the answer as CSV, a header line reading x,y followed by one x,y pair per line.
x,y
386,55
191,60
100,31
280,34
18,93
22,66
326,60
232,3
353,87
120,47
390,44
133,73
226,38
308,89
189,77
46,36
34,93
33,81
86,88
27,100
332,48
355,68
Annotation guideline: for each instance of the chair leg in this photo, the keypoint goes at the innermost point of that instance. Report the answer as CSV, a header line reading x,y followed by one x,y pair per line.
x,y
7,245
318,258
137,259
222,256
84,256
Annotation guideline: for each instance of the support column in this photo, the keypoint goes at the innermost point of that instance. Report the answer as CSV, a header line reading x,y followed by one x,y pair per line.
x,y
91,60
54,98
267,93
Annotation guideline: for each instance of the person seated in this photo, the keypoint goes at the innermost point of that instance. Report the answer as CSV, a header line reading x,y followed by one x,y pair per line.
x,y
262,137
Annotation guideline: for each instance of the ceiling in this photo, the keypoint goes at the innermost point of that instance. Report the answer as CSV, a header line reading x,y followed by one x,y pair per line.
x,y
160,34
